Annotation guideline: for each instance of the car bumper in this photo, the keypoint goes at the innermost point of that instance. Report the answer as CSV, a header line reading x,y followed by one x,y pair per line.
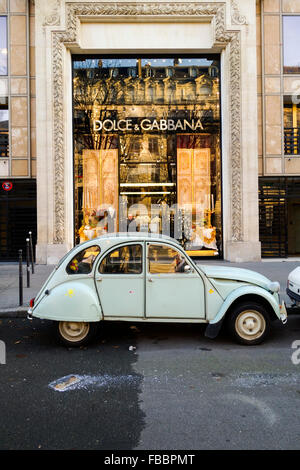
x,y
29,314
283,312
293,295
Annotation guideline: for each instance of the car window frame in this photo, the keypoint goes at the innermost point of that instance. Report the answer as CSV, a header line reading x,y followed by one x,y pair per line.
x,y
116,247
93,265
175,248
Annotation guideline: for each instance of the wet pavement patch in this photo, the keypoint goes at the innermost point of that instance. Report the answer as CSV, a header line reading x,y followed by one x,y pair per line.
x,y
94,398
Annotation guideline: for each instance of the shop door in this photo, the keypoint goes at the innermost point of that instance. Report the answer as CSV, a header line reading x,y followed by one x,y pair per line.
x,y
294,228
173,288
120,282
17,218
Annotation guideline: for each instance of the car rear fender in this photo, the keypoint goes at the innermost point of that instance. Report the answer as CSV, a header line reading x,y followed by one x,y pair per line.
x,y
73,300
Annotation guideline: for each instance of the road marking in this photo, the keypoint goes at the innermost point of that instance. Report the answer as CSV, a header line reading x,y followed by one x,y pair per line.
x,y
261,406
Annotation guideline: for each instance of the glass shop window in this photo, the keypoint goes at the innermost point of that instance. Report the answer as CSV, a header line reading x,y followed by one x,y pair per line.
x,y
83,262
164,260
291,119
3,45
4,126
124,260
291,38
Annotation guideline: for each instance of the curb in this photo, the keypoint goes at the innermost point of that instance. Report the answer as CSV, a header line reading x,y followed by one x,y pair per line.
x,y
16,312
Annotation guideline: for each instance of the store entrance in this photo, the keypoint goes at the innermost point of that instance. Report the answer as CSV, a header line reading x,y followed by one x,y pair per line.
x,y
279,216
294,227
17,217
147,178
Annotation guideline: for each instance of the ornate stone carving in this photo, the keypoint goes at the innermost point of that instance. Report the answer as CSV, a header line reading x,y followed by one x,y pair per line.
x,y
230,39
236,17
53,18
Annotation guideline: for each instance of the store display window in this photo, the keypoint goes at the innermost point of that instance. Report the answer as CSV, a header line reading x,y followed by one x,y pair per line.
x,y
147,148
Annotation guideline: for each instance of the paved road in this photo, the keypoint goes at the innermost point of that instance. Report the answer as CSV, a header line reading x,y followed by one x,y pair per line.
x,y
177,390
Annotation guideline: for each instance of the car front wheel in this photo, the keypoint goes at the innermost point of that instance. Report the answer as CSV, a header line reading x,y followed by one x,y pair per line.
x,y
249,323
75,333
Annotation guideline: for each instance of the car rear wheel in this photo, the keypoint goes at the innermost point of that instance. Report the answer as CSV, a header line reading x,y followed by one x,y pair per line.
x,y
249,323
75,333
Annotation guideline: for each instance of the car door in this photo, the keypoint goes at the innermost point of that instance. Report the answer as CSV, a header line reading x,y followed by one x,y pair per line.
x,y
120,281
174,289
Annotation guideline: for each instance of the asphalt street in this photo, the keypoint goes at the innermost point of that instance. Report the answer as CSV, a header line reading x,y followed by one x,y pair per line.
x,y
176,390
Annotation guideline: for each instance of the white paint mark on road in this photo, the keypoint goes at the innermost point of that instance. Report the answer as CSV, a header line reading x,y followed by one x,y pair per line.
x,y
260,405
86,382
249,380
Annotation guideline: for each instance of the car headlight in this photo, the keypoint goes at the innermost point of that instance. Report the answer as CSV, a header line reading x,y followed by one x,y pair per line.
x,y
274,286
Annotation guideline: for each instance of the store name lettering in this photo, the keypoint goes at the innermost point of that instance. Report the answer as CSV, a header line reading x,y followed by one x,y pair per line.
x,y
109,125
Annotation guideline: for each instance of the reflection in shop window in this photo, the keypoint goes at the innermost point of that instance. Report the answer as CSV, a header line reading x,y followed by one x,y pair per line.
x,y
147,134
291,117
4,127
291,38
3,45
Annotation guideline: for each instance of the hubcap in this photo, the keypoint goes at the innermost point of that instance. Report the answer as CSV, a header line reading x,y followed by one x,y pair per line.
x,y
73,331
250,324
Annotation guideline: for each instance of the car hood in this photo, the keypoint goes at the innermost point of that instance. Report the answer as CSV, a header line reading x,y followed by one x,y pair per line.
x,y
236,274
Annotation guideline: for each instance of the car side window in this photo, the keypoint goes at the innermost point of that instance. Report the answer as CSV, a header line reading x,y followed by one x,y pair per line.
x,y
163,259
124,260
83,262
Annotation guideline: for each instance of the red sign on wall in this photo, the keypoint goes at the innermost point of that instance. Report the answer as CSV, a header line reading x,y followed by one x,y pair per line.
x,y
7,185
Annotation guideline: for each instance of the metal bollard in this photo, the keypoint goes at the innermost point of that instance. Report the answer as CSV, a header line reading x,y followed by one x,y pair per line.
x,y
27,262
20,278
31,253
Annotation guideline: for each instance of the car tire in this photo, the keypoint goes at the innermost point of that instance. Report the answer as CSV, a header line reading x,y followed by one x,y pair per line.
x,y
249,323
74,334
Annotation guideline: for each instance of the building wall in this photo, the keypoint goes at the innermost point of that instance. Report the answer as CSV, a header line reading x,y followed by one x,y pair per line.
x,y
59,33
273,85
19,86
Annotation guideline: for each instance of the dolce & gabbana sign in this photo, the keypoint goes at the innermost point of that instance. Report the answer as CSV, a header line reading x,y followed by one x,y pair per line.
x,y
134,124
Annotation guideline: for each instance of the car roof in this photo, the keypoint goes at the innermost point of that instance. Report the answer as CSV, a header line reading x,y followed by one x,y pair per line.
x,y
116,237
111,239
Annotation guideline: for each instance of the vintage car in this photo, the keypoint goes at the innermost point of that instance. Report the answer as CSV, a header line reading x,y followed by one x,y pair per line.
x,y
141,277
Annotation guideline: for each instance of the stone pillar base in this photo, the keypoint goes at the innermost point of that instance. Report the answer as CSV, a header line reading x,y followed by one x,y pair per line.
x,y
238,252
50,253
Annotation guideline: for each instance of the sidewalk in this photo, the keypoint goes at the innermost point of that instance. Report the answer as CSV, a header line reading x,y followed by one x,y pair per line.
x,y
9,287
9,281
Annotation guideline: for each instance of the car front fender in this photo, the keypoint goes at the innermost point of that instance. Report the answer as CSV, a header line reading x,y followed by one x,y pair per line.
x,y
215,324
74,300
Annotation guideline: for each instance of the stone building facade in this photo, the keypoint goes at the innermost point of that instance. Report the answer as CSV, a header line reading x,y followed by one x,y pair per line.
x,y
227,54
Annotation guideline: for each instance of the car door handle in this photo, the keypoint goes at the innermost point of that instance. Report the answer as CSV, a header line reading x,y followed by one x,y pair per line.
x,y
150,279
99,279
